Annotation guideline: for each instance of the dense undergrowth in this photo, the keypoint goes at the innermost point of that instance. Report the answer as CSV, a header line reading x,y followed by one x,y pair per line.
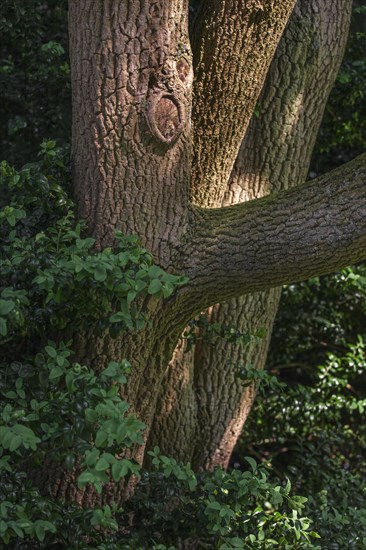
x,y
58,412
307,430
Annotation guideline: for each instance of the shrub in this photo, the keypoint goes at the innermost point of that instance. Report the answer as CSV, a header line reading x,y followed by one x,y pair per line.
x,y
60,414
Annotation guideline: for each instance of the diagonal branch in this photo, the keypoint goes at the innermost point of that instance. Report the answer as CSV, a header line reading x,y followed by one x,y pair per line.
x,y
235,45
313,229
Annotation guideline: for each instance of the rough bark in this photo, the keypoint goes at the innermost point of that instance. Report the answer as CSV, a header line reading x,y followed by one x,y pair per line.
x,y
131,81
233,43
274,154
286,237
131,135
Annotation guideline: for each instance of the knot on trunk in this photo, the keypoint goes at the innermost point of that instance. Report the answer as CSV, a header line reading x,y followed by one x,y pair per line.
x,y
165,117
167,100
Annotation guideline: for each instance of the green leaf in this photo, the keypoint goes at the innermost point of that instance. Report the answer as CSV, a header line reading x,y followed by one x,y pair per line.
x,y
56,372
251,462
3,327
15,443
40,532
100,274
101,465
236,542
214,505
131,296
287,489
6,306
119,470
61,361
16,528
101,438
51,351
155,286
92,457
154,271
85,478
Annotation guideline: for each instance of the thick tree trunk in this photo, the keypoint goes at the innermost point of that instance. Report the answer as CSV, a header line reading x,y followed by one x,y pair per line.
x,y
131,80
203,419
131,144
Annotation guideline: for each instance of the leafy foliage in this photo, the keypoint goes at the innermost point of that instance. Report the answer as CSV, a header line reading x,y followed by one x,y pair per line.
x,y
202,328
217,510
319,316
56,412
314,431
52,278
59,413
34,67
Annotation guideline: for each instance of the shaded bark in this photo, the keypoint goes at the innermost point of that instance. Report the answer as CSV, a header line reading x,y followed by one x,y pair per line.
x,y
233,42
274,154
131,80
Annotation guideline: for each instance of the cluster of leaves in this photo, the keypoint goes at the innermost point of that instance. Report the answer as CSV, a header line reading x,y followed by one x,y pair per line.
x,y
319,316
314,431
55,412
51,276
202,328
58,414
261,379
171,506
240,509
33,68
320,408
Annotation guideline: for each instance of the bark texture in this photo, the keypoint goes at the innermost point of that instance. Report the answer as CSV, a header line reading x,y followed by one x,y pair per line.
x,y
282,238
233,43
274,154
131,81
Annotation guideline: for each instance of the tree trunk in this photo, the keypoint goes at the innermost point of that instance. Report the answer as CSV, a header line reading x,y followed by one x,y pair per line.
x,y
203,405
131,74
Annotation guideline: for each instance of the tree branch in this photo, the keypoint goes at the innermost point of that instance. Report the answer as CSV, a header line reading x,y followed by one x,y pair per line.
x,y
234,42
313,229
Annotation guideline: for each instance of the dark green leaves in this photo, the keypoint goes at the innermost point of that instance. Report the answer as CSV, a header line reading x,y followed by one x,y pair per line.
x,y
52,274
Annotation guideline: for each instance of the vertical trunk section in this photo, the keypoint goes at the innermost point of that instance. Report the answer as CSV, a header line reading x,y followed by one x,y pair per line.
x,y
275,152
233,43
131,75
